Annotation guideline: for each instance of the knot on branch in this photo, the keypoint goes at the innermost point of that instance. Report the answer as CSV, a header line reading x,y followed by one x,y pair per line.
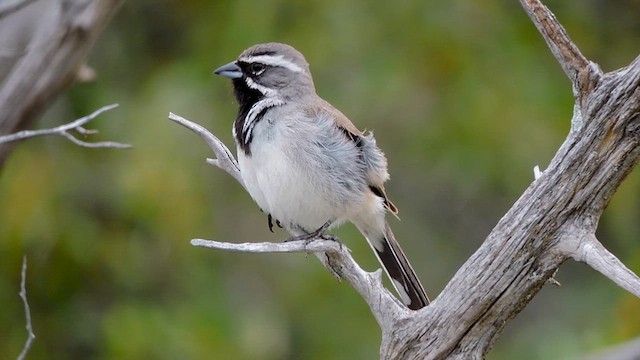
x,y
587,79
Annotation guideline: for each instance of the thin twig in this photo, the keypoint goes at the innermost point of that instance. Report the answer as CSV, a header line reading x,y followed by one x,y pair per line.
x,y
63,130
27,311
301,246
99,144
82,131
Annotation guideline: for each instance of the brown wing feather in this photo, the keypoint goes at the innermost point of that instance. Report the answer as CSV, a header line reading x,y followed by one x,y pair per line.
x,y
341,120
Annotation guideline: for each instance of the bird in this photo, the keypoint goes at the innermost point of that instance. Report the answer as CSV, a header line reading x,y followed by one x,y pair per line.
x,y
306,164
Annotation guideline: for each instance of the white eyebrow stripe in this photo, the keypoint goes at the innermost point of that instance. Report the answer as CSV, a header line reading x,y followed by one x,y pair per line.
x,y
273,60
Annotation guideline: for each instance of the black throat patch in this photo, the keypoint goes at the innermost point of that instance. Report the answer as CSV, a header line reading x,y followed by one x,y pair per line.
x,y
247,98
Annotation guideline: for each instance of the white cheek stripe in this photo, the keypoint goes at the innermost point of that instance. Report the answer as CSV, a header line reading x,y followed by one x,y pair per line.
x,y
251,119
263,89
277,60
255,110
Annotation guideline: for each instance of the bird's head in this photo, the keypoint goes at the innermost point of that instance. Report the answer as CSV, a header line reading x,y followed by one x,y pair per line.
x,y
269,70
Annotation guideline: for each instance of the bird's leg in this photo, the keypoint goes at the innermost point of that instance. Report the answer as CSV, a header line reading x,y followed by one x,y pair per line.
x,y
270,222
318,234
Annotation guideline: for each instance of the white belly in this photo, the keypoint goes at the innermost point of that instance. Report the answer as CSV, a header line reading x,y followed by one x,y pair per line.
x,y
291,189
287,195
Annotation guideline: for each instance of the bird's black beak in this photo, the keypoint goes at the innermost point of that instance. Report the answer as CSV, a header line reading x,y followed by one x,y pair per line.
x,y
230,70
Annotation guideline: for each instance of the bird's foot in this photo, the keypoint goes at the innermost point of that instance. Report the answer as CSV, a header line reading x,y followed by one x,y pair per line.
x,y
312,237
316,235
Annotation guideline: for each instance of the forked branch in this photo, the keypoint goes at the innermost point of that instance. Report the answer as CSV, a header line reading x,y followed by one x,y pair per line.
x,y
64,131
224,158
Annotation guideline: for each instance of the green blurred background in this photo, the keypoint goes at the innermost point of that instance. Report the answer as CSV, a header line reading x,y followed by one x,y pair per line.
x,y
463,96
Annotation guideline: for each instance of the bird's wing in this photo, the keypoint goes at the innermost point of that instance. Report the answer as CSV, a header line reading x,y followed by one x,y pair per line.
x,y
374,159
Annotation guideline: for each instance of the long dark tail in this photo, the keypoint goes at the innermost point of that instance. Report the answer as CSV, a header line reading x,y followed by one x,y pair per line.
x,y
397,267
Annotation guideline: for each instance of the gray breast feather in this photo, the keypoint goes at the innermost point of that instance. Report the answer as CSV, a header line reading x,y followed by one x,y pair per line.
x,y
327,157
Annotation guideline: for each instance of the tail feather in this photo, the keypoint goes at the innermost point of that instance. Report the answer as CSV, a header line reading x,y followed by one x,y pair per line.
x,y
397,267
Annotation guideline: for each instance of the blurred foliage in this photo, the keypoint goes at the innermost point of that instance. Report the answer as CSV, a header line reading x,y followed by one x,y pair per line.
x,y
463,96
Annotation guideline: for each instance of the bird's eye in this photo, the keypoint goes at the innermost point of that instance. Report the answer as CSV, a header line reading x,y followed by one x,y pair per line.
x,y
257,68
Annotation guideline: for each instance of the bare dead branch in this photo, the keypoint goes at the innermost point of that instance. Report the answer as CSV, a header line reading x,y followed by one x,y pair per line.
x,y
44,46
63,130
317,245
27,311
224,158
594,102
565,51
100,144
589,250
82,131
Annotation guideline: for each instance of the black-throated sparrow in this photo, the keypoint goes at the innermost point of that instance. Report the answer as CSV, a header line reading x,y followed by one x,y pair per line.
x,y
305,164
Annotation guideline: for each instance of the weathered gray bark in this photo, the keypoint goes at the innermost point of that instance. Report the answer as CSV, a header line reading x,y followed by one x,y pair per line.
x,y
42,46
554,220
